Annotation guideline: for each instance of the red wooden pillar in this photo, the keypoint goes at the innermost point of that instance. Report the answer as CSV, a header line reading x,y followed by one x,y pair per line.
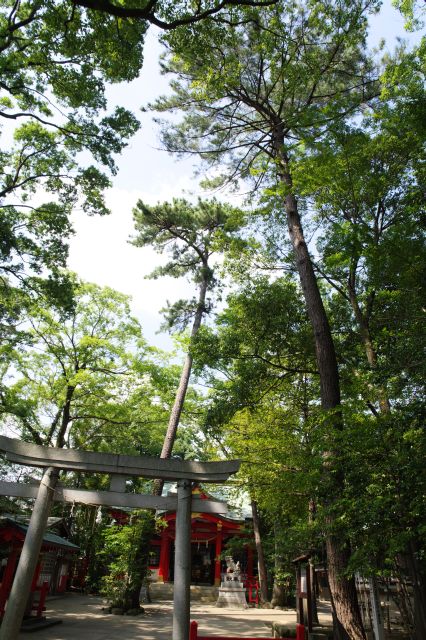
x,y
163,569
249,562
39,607
219,539
36,576
193,631
300,632
8,578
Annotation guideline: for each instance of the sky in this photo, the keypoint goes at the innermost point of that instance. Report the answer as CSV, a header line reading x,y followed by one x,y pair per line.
x,y
100,251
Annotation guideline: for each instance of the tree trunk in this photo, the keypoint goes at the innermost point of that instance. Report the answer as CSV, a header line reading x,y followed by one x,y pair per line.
x,y
348,617
138,568
66,417
263,577
279,588
176,411
363,321
346,614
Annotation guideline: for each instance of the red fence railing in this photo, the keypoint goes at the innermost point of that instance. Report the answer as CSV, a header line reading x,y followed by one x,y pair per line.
x,y
252,590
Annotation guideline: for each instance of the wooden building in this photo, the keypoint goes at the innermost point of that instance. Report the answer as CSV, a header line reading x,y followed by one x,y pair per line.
x,y
52,570
210,535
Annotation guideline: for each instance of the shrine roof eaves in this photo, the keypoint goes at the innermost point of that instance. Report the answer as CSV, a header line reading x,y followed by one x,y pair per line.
x,y
48,538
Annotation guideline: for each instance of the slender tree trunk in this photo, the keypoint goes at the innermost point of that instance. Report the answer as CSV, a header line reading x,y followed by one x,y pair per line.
x,y
279,588
139,565
66,417
348,617
176,411
263,577
365,335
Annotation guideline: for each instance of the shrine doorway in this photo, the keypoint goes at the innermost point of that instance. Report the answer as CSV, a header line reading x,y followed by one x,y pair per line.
x,y
202,564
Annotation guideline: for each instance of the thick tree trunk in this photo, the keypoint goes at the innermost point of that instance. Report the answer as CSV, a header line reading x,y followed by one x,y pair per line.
x,y
263,576
176,411
324,346
348,618
279,593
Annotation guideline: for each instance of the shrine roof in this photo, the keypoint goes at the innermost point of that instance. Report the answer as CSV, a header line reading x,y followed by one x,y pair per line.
x,y
49,539
233,515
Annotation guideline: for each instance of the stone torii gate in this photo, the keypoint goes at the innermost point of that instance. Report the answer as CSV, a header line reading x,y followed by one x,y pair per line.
x,y
119,467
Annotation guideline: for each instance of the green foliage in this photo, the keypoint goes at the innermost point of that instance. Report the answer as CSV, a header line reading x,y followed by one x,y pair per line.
x,y
87,378
264,333
192,235
55,59
413,11
126,554
259,362
289,70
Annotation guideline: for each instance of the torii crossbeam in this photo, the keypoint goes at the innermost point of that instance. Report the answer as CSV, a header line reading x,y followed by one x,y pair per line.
x,y
119,467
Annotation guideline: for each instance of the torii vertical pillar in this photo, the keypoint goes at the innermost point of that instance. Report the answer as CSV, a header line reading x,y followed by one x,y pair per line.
x,y
182,577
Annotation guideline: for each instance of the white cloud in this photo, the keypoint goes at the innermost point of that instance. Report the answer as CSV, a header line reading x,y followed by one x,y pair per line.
x,y
100,252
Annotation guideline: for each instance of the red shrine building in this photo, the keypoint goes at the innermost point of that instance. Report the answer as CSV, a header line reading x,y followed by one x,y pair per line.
x,y
210,535
52,571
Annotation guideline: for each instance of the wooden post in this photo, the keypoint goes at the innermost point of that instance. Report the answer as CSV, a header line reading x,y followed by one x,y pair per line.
x,y
308,621
218,551
299,599
36,575
193,632
300,632
42,599
249,563
376,611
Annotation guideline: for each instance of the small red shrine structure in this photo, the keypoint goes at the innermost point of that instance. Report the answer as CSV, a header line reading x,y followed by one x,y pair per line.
x,y
209,537
52,569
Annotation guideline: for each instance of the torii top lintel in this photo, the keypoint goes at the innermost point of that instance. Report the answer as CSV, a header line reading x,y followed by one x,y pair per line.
x,y
35,455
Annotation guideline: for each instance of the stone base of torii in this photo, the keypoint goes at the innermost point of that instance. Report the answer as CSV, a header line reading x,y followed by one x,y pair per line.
x,y
119,467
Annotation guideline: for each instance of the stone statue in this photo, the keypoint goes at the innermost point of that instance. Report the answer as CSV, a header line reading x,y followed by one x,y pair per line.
x,y
232,592
233,569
